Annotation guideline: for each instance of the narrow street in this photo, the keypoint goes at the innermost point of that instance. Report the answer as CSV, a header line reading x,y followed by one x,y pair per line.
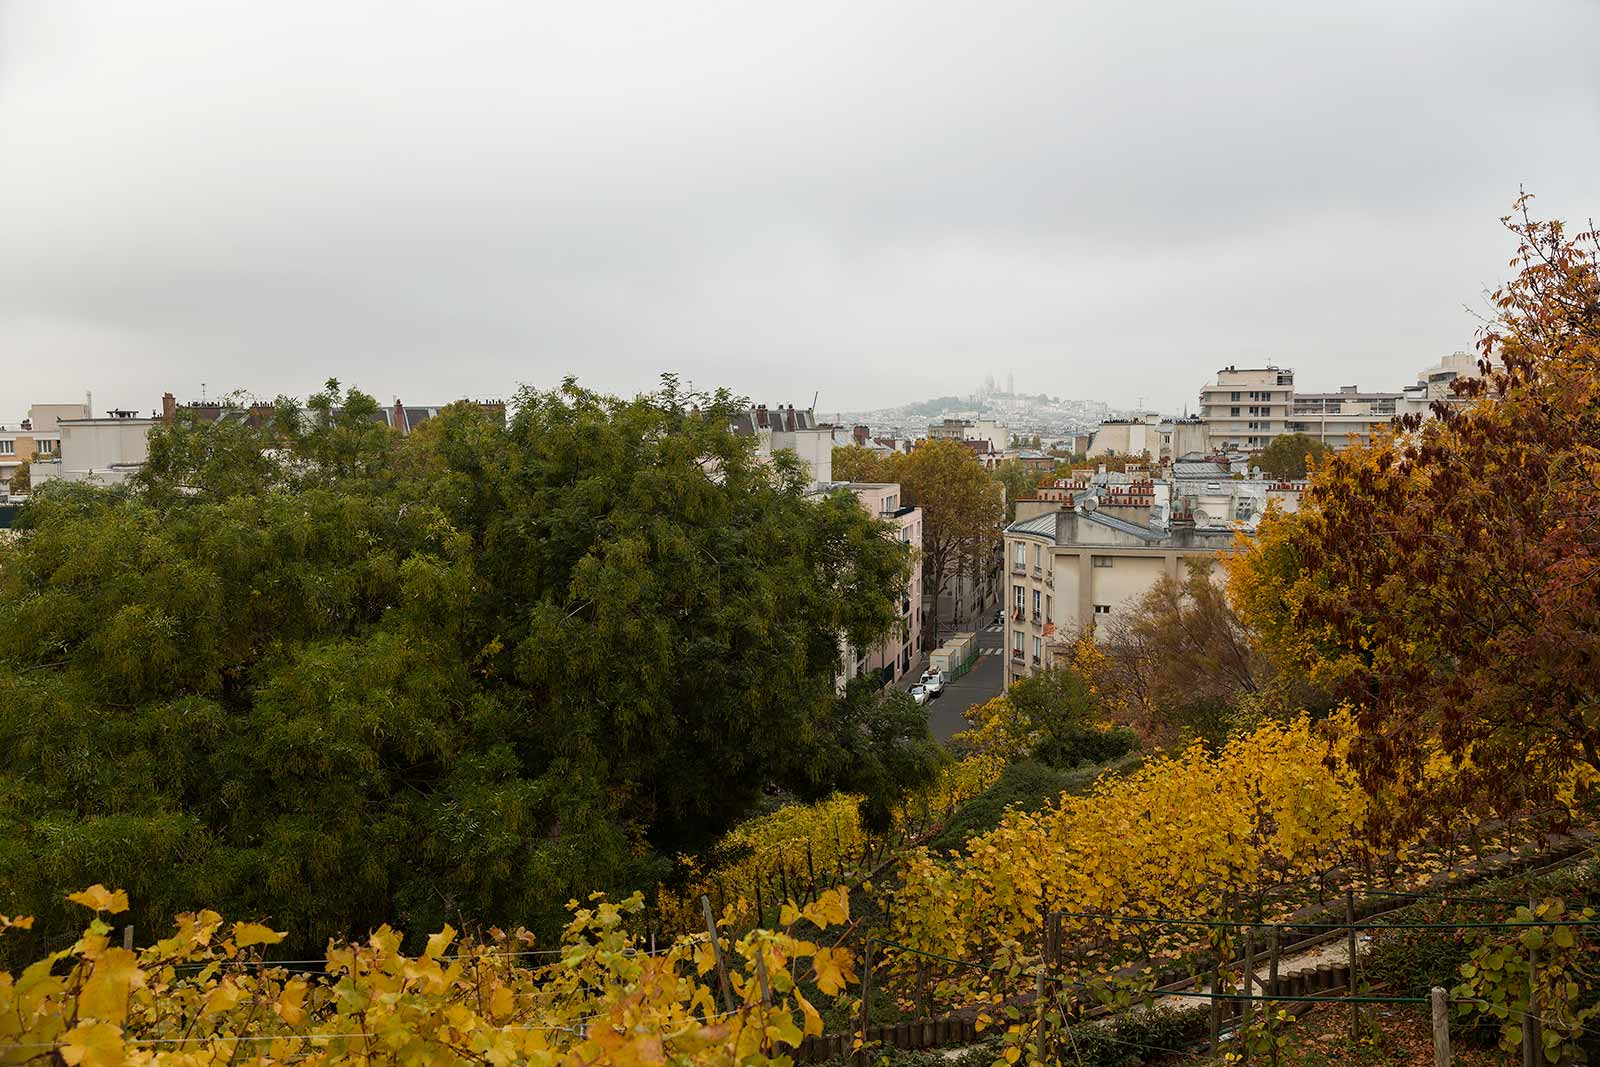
x,y
983,681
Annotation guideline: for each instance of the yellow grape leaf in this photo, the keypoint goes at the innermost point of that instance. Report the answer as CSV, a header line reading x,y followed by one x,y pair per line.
x,y
832,906
291,1006
813,1019
440,941
100,898
93,1045
830,976
247,934
788,915
105,995
223,996
19,922
1013,1054
501,1002
784,1029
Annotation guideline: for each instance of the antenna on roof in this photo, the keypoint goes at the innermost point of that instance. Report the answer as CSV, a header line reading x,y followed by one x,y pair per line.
x,y
814,396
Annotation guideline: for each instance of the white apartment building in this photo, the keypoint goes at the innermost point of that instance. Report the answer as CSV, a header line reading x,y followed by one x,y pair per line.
x,y
103,451
794,429
1245,409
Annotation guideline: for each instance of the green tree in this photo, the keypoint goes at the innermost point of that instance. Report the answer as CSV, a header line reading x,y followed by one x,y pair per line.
x,y
482,669
1291,455
21,479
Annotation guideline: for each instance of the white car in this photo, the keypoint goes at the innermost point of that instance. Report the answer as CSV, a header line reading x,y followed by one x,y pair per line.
x,y
919,693
933,682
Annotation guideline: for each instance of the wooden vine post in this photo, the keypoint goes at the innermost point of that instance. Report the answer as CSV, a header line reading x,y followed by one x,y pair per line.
x,y
1350,941
1441,1028
1271,1006
716,952
866,1000
1247,1006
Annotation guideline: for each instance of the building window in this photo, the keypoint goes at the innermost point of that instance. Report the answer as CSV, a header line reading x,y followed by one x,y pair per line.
x,y
1036,602
1017,595
8,448
1233,412
46,447
1020,556
1038,649
1102,561
1102,609
1016,644
1235,396
1048,614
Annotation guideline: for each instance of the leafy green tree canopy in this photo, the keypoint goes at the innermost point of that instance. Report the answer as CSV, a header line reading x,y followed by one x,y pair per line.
x,y
1291,455
311,670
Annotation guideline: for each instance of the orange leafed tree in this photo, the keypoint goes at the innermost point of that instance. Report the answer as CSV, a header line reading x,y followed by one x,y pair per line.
x,y
1446,580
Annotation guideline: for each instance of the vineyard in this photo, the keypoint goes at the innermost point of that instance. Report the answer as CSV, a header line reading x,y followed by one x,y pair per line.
x,y
1049,916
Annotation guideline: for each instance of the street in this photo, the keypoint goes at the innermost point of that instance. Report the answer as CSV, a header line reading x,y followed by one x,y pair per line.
x,y
983,681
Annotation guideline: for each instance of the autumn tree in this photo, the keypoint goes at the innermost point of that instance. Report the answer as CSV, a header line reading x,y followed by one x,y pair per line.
x,y
1181,662
962,511
1446,580
853,463
1291,455
1019,483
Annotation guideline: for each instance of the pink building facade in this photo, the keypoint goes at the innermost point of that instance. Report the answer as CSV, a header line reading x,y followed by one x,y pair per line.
x,y
901,650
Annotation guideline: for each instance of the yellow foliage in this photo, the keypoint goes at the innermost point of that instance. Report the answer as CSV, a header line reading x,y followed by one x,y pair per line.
x,y
826,838
192,999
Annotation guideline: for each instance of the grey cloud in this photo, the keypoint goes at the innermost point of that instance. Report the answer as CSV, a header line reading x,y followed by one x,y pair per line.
x,y
878,200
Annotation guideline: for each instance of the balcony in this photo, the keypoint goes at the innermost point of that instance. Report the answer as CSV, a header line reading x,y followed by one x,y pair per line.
x,y
1038,571
1016,614
1036,661
1037,618
1016,654
1050,580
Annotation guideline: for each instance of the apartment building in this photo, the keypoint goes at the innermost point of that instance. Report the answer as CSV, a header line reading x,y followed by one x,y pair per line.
x,y
1245,408
36,438
101,451
1347,417
1076,567
1087,548
996,433
901,649
794,429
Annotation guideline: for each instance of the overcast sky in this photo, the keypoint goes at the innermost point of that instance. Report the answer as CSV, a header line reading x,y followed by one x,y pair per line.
x,y
880,201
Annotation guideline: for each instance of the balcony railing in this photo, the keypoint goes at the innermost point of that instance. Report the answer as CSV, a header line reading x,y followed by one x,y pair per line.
x,y
1016,614
1037,618
1016,654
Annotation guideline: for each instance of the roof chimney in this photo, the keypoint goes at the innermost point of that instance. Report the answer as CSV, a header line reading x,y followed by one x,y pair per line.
x,y
169,408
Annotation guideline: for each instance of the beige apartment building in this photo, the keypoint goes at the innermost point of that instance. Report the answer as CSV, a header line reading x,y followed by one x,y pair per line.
x,y
1244,409
1076,566
36,438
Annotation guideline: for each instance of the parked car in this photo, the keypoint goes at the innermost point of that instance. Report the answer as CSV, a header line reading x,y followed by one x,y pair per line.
x,y
933,682
919,693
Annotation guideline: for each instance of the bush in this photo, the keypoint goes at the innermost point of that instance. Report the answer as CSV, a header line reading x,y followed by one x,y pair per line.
x,y
1078,748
